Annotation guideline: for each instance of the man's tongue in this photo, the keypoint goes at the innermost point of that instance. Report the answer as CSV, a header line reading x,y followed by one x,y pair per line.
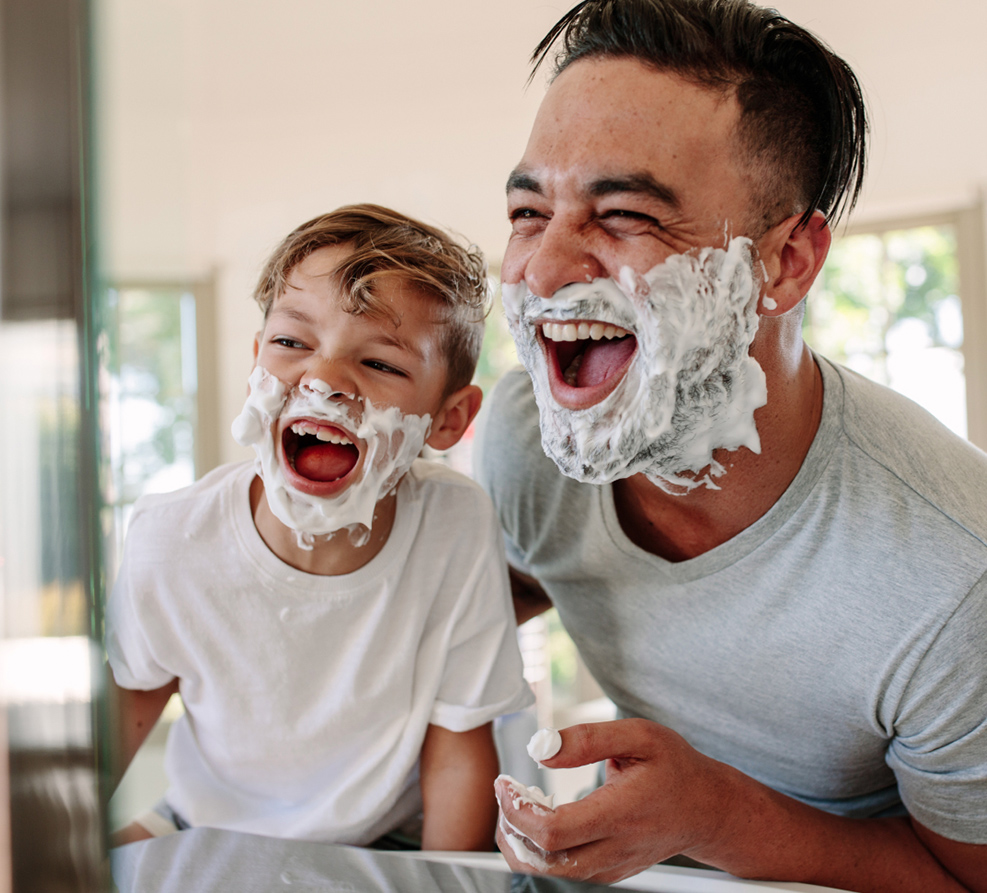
x,y
599,361
326,461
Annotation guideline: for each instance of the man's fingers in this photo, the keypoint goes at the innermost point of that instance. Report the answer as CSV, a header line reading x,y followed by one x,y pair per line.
x,y
620,739
549,830
603,861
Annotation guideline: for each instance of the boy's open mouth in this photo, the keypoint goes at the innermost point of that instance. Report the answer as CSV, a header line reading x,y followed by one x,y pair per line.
x,y
586,360
319,452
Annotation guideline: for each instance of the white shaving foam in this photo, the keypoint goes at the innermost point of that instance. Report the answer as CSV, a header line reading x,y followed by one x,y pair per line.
x,y
524,850
532,795
393,441
691,387
544,745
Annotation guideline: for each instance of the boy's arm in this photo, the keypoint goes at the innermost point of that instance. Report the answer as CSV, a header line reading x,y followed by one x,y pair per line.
x,y
457,775
136,711
530,599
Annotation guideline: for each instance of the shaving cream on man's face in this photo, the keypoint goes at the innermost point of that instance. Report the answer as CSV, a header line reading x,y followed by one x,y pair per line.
x,y
668,354
338,455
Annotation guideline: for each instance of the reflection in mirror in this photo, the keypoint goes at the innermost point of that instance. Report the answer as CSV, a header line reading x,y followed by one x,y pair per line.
x,y
50,659
207,860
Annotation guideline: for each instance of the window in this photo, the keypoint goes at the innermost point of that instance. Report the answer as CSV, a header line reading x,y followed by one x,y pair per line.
x,y
895,303
156,384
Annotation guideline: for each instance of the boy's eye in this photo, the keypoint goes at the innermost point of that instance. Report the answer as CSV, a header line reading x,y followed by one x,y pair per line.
x,y
382,367
284,341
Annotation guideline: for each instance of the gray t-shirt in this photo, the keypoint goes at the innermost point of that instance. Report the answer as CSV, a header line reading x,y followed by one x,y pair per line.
x,y
835,650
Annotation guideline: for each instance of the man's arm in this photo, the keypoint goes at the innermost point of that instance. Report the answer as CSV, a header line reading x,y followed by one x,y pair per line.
x,y
457,775
662,798
530,599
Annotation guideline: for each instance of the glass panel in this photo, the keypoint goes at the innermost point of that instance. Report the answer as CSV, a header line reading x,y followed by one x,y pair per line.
x,y
150,387
52,694
887,305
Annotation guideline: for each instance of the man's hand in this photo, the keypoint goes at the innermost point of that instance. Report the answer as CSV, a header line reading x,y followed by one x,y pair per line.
x,y
661,798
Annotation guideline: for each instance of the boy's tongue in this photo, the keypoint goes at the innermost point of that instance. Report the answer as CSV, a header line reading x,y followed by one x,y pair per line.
x,y
326,461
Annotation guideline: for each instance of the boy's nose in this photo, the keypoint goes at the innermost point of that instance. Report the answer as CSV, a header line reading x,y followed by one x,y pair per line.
x,y
329,376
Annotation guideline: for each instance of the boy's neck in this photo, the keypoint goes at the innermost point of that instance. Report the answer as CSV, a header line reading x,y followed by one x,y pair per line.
x,y
329,556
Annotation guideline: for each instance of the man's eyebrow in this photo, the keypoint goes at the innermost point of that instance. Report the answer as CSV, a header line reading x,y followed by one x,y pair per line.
x,y
519,179
641,183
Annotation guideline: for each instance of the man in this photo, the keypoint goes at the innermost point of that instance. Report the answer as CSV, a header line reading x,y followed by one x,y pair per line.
x,y
775,568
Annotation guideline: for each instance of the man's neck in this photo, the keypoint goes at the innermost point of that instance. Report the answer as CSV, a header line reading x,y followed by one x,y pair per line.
x,y
329,556
681,527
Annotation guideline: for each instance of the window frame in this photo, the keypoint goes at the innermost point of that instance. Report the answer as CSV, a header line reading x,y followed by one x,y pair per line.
x,y
967,221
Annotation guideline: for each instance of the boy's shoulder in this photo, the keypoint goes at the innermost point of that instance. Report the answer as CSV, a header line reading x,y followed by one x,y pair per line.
x,y
439,486
211,494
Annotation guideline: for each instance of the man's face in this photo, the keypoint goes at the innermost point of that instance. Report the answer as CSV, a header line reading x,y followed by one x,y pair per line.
x,y
626,289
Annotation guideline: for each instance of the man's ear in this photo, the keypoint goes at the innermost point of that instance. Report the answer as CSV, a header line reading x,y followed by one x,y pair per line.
x,y
792,256
452,420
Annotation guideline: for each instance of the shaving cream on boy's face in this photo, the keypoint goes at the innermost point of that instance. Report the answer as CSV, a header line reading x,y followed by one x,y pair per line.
x,y
676,337
336,458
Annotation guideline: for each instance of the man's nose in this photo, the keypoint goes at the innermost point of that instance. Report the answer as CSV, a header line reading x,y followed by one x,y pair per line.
x,y
563,255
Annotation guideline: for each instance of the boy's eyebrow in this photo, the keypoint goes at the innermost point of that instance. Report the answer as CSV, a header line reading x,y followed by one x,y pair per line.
x,y
291,312
388,339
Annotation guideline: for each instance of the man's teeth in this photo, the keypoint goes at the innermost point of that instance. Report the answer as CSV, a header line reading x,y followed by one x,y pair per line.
x,y
327,435
581,331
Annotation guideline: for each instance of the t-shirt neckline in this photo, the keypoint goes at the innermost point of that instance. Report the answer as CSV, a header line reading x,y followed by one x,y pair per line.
x,y
281,574
729,553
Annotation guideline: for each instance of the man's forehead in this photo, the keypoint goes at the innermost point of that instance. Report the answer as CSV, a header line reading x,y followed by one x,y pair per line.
x,y
622,106
610,126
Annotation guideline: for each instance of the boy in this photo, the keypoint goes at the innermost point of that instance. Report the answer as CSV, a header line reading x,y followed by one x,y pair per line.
x,y
336,617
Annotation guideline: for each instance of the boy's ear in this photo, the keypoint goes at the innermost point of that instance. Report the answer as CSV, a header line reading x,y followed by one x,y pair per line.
x,y
257,345
452,420
792,256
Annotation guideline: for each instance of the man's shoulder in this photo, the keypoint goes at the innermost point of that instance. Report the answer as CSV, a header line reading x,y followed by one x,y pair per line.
x,y
926,458
510,411
508,438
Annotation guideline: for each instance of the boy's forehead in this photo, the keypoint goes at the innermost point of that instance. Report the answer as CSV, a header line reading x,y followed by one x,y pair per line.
x,y
321,263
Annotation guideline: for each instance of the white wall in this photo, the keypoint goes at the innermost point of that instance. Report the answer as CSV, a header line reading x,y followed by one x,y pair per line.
x,y
224,123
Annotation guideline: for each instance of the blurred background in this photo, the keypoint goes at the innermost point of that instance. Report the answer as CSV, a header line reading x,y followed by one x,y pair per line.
x,y
153,154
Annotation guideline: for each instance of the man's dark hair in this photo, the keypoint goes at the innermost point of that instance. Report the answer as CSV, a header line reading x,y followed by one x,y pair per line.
x,y
803,124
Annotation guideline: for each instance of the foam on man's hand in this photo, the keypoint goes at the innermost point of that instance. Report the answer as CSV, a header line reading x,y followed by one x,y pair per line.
x,y
544,745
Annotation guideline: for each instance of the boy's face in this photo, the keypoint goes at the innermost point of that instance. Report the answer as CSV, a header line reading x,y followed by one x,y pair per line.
x,y
309,337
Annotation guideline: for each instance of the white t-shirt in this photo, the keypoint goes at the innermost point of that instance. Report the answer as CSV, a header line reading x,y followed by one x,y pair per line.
x,y
307,697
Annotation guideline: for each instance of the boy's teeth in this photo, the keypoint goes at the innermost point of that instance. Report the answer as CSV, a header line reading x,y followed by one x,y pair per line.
x,y
571,331
326,435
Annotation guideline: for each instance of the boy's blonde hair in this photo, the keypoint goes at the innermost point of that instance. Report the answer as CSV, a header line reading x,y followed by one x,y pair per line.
x,y
389,245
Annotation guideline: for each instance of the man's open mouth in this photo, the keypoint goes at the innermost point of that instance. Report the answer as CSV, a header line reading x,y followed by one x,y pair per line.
x,y
318,452
589,356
